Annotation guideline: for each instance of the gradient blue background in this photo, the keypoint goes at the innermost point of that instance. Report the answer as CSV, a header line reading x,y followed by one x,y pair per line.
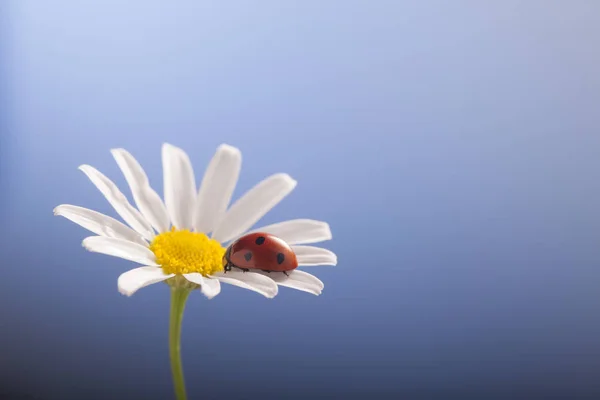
x,y
452,146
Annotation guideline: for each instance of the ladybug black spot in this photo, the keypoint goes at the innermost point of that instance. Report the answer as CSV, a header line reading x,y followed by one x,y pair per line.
x,y
248,256
280,258
260,240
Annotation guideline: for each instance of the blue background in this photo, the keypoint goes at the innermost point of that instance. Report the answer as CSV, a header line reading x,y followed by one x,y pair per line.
x,y
451,145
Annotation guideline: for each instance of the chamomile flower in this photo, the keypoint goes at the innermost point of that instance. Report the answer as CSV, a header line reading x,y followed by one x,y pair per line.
x,y
183,239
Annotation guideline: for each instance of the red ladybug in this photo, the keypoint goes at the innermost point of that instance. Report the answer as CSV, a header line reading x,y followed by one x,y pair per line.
x,y
260,251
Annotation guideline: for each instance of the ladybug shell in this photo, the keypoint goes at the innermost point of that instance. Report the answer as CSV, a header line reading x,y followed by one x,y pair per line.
x,y
262,251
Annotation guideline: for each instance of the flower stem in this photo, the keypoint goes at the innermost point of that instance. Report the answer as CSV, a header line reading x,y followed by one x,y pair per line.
x,y
179,296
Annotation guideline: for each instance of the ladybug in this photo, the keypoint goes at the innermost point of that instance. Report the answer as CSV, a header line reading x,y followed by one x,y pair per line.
x,y
260,251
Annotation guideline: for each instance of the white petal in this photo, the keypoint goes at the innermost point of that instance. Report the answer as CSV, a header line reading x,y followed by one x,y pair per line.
x,y
299,231
120,248
217,187
135,279
249,280
253,205
147,200
311,255
119,201
210,287
180,186
299,280
98,223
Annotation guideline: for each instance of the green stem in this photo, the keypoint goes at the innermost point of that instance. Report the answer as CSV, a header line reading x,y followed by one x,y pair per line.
x,y
179,296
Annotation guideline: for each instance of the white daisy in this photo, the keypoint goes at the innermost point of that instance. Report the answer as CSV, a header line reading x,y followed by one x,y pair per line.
x,y
185,236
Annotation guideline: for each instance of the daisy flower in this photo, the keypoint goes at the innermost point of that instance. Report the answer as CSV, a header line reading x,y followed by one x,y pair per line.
x,y
183,239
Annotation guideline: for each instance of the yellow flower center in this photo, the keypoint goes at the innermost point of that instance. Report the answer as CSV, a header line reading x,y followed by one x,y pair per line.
x,y
184,252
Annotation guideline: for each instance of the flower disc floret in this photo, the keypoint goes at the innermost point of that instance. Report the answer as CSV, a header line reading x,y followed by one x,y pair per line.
x,y
184,252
